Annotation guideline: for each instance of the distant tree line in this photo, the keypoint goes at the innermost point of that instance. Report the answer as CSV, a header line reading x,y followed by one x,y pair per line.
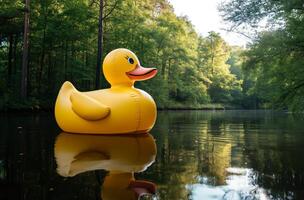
x,y
193,70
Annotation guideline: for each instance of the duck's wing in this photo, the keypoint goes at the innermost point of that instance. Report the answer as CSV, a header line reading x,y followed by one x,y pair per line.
x,y
87,107
87,161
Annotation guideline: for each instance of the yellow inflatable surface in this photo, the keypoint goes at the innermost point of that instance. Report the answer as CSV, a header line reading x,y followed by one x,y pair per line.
x,y
118,110
76,153
121,155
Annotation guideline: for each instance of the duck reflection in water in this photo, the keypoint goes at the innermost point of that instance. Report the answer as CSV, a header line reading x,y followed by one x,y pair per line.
x,y
120,155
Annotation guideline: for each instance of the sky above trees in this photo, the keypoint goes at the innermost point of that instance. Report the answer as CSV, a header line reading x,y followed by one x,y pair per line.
x,y
206,17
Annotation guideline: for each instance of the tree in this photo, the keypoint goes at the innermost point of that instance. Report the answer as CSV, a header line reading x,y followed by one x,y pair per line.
x,y
64,44
24,74
274,59
101,18
214,57
99,46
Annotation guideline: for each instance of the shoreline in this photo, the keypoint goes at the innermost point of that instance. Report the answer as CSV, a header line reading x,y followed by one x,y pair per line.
x,y
12,111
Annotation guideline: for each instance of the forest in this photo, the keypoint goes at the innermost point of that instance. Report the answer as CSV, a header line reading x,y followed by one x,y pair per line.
x,y
195,71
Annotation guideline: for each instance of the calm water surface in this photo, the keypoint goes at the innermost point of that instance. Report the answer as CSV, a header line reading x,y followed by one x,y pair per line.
x,y
200,155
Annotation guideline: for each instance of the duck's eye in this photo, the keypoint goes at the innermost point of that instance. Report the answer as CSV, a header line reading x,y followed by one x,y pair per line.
x,y
130,60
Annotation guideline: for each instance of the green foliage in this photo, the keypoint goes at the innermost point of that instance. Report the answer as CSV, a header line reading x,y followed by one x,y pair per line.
x,y
193,70
215,55
273,69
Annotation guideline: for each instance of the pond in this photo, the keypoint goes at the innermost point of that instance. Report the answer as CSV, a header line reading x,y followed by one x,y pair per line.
x,y
200,155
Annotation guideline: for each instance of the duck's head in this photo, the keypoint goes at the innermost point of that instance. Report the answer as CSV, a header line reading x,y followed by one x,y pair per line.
x,y
122,67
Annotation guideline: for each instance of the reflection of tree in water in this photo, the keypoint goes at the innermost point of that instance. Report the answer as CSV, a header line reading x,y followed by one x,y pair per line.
x,y
204,144
278,160
187,147
29,165
176,147
214,155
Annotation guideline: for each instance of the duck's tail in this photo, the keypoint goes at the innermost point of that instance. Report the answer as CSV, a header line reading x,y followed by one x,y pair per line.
x,y
63,103
66,86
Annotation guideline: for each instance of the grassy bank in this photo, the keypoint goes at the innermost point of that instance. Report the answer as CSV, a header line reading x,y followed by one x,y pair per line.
x,y
181,106
34,106
207,106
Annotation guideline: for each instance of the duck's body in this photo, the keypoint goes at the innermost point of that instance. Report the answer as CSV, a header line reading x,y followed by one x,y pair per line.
x,y
120,109
131,110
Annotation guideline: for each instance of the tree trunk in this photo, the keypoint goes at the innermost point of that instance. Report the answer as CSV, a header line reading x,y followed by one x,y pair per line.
x,y
49,72
73,55
24,72
15,54
66,60
42,57
169,69
212,55
99,50
10,57
163,68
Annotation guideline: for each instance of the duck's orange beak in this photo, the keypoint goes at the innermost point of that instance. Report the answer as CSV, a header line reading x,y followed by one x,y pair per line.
x,y
141,73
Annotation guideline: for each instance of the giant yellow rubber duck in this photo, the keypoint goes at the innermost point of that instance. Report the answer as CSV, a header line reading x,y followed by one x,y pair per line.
x,y
117,110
